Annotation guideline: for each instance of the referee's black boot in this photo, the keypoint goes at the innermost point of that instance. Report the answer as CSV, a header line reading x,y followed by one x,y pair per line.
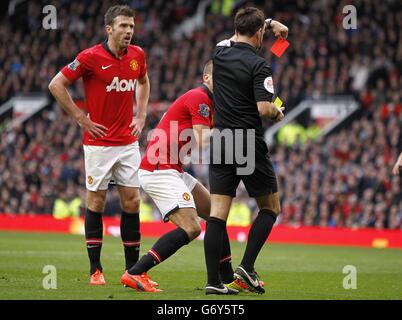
x,y
219,289
251,278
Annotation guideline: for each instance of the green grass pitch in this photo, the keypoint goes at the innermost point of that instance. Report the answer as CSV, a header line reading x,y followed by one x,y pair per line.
x,y
290,271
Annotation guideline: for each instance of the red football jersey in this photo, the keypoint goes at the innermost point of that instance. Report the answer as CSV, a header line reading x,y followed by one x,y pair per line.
x,y
109,84
193,107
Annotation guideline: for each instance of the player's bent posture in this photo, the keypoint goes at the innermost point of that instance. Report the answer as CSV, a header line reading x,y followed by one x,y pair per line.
x,y
109,71
179,197
243,91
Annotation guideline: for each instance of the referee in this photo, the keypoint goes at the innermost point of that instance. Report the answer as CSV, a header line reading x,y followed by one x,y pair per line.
x,y
243,92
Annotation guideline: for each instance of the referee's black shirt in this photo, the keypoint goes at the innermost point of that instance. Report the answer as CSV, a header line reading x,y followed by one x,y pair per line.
x,y
241,78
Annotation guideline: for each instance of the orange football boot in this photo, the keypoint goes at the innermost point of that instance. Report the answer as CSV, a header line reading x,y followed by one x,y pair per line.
x,y
97,278
153,283
138,282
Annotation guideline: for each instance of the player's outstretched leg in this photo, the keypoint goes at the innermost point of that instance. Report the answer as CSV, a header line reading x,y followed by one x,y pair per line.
x,y
188,229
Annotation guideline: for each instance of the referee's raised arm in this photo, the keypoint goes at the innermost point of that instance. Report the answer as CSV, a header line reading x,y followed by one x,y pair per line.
x,y
278,29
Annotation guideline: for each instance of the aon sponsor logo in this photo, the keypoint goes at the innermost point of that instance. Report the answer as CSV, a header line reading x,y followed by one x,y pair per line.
x,y
121,85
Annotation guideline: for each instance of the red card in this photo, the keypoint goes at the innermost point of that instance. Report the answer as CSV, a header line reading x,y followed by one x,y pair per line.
x,y
279,47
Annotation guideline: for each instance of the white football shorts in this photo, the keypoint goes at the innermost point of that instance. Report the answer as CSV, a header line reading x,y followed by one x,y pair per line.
x,y
169,189
103,164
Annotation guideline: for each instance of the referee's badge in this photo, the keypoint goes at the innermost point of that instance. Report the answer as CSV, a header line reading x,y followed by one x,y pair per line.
x,y
269,85
203,110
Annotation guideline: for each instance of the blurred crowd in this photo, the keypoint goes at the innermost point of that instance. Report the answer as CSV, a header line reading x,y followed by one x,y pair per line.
x,y
345,180
342,180
30,55
323,58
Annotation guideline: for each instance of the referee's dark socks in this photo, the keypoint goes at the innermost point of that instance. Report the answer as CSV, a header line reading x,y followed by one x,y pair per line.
x,y
166,246
225,263
213,248
94,238
257,236
131,236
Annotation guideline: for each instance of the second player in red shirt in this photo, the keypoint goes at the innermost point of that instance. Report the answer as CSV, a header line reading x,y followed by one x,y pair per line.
x,y
179,197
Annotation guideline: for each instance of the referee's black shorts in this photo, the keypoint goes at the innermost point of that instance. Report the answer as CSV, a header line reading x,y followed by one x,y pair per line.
x,y
224,178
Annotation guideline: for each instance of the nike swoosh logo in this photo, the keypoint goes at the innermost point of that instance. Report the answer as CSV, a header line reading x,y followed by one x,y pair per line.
x,y
255,283
90,247
104,68
224,290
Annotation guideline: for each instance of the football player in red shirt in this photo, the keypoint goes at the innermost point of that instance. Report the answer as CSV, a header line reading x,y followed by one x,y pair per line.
x,y
179,197
111,72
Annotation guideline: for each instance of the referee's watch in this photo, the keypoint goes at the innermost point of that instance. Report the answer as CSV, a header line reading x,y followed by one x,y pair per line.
x,y
268,22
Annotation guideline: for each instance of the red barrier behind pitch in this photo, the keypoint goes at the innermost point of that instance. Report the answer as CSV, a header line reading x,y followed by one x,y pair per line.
x,y
303,235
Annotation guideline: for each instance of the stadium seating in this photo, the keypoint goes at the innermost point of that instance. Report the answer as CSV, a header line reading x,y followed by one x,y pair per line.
x,y
342,180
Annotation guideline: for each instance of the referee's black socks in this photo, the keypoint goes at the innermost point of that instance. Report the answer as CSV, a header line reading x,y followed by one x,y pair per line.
x,y
94,238
166,246
257,236
213,248
131,236
225,262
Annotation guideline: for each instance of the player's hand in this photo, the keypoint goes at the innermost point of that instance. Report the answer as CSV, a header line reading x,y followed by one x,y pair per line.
x,y
137,125
397,168
280,115
280,30
96,130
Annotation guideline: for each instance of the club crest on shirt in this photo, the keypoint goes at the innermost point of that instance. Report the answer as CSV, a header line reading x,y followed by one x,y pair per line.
x,y
186,196
90,180
74,65
269,85
134,65
203,110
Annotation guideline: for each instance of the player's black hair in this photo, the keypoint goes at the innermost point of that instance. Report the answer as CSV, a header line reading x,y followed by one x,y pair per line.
x,y
118,10
248,21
